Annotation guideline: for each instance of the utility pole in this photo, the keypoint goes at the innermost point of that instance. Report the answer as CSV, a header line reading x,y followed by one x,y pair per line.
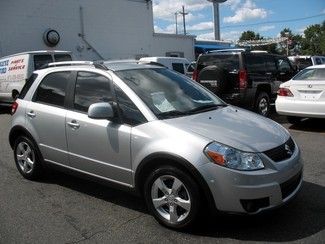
x,y
176,24
183,13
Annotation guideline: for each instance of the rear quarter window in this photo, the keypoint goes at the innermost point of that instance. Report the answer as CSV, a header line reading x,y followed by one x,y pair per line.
x,y
27,86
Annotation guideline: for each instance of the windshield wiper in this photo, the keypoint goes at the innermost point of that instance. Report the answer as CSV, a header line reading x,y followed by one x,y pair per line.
x,y
171,114
206,108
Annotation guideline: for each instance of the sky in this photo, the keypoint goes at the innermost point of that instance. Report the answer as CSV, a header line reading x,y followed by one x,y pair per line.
x,y
237,16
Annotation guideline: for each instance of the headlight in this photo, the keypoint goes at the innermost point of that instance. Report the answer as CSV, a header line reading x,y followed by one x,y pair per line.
x,y
233,158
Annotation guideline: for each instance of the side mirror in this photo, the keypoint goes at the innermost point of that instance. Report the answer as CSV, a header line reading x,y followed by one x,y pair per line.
x,y
101,111
14,94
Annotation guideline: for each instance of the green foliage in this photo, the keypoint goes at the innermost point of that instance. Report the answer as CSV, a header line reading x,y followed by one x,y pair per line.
x,y
313,42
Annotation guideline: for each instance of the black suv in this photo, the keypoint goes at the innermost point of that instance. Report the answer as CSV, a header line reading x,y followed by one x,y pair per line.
x,y
245,78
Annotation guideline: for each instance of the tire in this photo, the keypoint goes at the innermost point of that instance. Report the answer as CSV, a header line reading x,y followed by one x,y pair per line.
x,y
293,119
171,187
262,104
213,73
27,158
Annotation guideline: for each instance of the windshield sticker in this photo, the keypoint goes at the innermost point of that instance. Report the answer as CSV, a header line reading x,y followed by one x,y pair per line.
x,y
160,101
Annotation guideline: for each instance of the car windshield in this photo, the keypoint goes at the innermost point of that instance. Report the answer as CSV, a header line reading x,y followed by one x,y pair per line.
x,y
168,94
311,74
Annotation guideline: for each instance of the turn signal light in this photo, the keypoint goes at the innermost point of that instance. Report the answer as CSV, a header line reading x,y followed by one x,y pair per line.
x,y
284,92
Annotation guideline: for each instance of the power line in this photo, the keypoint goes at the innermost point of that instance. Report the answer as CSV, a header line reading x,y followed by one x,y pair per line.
x,y
273,22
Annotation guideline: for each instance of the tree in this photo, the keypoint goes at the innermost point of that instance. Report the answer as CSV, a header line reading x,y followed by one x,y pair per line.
x,y
250,35
313,42
253,36
294,42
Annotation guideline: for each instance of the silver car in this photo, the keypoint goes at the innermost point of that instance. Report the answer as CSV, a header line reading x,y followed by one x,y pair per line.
x,y
157,133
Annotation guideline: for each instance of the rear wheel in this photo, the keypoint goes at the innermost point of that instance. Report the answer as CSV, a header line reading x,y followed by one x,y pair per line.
x,y
172,197
293,119
262,104
27,158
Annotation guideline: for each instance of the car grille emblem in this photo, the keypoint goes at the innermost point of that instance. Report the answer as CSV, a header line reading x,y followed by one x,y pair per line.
x,y
310,86
288,150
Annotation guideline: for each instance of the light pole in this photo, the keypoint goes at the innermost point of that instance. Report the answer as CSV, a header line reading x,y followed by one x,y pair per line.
x,y
183,13
287,48
176,28
216,17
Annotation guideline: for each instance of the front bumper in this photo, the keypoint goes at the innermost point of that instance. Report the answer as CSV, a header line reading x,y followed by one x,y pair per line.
x,y
254,191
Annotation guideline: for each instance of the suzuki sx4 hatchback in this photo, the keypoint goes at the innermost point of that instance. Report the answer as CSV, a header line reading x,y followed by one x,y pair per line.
x,y
157,133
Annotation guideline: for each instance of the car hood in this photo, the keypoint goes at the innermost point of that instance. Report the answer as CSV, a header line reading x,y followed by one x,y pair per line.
x,y
235,127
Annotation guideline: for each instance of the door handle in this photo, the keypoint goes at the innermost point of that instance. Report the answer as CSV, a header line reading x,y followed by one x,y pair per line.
x,y
268,73
31,114
73,124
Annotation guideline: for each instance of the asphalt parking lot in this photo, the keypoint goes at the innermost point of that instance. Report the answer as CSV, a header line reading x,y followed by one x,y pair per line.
x,y
66,209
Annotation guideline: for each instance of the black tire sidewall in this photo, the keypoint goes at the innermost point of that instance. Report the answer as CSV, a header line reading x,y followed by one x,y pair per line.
x,y
191,186
260,96
36,171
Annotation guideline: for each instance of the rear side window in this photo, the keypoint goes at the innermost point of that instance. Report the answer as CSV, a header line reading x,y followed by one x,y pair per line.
x,y
318,61
53,88
229,62
40,60
255,64
28,84
91,88
179,67
62,57
270,64
284,65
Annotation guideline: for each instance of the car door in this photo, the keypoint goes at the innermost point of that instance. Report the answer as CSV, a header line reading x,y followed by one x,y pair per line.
x,y
45,116
97,146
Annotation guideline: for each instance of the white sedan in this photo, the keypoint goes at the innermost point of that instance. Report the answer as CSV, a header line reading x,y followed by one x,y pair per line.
x,y
303,96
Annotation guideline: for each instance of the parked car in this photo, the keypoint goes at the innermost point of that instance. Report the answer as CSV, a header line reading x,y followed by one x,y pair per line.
x,y
304,61
16,68
245,78
155,132
174,63
303,96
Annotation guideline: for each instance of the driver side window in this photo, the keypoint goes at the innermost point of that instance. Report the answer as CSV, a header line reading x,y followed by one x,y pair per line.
x,y
91,88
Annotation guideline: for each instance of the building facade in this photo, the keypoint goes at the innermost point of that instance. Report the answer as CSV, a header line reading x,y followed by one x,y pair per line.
x,y
92,30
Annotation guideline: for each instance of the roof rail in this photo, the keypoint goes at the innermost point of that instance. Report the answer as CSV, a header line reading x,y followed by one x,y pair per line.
x,y
99,65
151,63
227,50
259,51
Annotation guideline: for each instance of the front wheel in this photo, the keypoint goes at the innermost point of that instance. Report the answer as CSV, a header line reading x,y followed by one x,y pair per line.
x,y
262,104
172,197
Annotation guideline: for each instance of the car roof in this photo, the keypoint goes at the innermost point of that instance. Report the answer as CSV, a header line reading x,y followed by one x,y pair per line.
x,y
318,66
102,65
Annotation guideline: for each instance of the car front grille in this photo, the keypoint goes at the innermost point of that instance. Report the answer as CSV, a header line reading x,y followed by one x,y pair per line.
x,y
281,152
290,185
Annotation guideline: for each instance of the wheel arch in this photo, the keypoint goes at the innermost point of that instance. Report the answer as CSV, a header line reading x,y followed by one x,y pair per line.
x,y
17,131
152,161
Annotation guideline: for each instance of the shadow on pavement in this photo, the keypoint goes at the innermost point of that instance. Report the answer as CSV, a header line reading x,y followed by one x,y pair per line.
x,y
4,109
308,125
303,217
94,189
